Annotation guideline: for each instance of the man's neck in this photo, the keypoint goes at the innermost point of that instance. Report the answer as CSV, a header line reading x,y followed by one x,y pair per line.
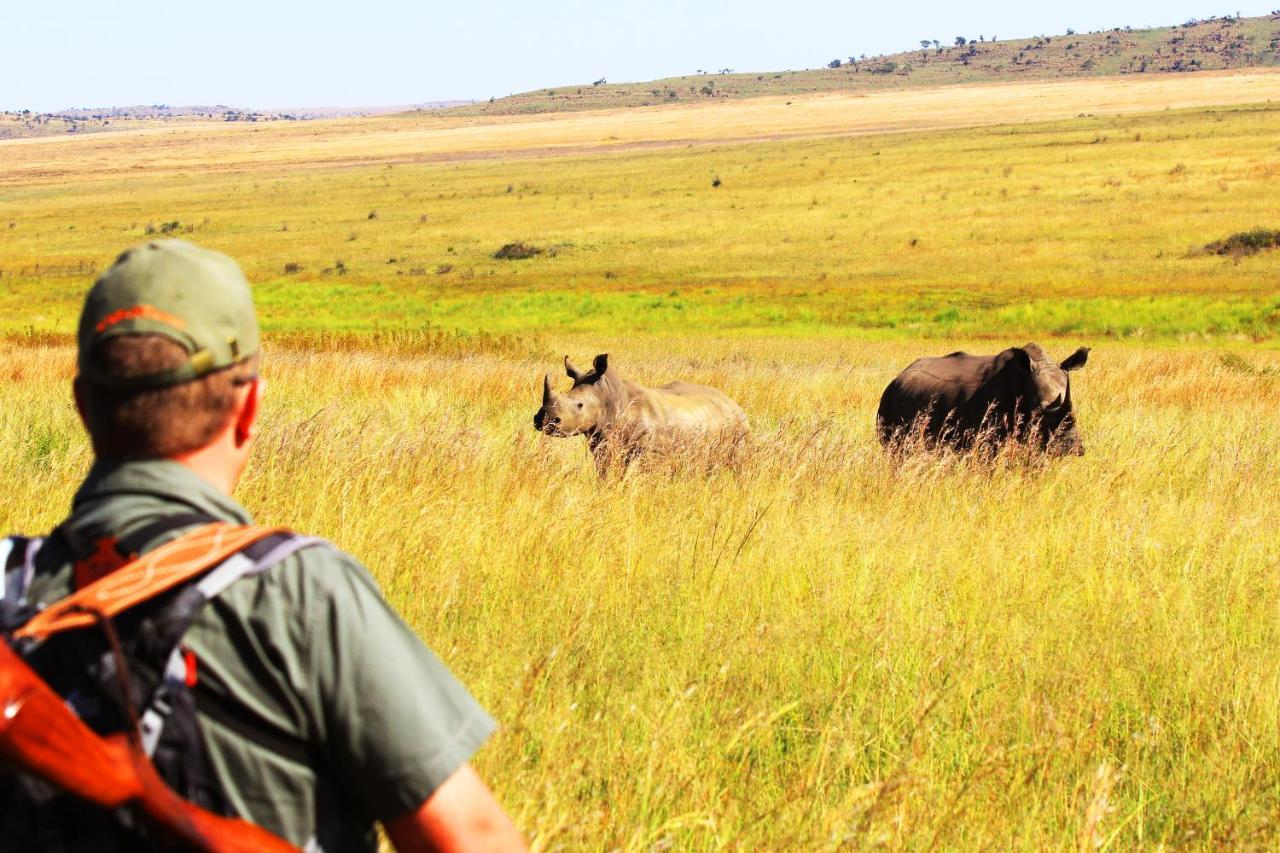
x,y
216,463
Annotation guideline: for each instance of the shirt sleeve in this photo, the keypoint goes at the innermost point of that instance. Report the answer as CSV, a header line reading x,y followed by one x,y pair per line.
x,y
397,723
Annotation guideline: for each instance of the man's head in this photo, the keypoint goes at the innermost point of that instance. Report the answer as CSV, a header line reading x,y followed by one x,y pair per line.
x,y
168,352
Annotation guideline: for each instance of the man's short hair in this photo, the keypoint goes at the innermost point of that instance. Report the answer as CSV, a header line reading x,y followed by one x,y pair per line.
x,y
156,423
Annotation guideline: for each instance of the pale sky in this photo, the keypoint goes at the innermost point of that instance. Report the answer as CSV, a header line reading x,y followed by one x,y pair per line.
x,y
269,54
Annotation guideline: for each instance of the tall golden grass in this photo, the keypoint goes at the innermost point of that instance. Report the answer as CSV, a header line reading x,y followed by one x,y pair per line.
x,y
819,646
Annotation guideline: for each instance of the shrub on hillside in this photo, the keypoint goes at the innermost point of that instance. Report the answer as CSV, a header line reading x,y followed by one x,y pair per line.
x,y
516,252
1246,242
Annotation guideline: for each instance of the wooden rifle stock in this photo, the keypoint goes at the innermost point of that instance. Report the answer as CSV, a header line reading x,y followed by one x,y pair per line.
x,y
41,736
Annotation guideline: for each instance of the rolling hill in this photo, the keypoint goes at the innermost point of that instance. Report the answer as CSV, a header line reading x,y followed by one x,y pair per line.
x,y
1212,44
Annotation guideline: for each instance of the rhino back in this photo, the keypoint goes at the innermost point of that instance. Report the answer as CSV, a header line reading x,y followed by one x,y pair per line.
x,y
685,406
939,385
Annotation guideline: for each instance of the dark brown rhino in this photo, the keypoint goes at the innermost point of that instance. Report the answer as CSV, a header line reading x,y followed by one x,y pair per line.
x,y
960,400
615,414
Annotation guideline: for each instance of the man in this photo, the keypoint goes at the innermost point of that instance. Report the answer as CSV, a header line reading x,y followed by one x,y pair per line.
x,y
335,715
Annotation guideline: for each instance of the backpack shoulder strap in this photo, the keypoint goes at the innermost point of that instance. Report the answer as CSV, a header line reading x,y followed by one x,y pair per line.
x,y
144,578
255,559
131,544
110,553
17,566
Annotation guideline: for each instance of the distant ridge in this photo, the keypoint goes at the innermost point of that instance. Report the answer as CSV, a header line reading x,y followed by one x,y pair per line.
x,y
25,123
1197,45
219,110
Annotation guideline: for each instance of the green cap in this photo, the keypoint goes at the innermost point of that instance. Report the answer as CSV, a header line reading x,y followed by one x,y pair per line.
x,y
196,297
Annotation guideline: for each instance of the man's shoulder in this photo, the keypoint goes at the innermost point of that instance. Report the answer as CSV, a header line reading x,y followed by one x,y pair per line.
x,y
315,566
316,590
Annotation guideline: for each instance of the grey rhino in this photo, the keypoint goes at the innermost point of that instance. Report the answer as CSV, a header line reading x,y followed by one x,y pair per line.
x,y
961,400
617,415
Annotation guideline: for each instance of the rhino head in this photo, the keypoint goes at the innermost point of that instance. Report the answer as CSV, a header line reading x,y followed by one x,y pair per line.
x,y
1050,395
584,408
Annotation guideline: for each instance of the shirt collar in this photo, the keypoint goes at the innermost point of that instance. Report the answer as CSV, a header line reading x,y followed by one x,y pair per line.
x,y
162,478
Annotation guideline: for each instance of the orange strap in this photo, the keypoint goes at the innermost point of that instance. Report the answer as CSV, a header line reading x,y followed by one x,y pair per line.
x,y
146,577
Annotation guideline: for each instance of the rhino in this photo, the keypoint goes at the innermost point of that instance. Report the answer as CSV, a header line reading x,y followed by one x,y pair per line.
x,y
961,400
618,415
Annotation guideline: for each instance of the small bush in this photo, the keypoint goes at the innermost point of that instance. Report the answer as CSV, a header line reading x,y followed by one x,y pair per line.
x,y
716,182
516,252
444,269
1245,242
373,214
1236,363
292,267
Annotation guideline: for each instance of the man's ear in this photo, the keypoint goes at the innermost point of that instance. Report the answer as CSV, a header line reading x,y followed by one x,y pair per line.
x,y
77,392
601,363
1076,360
247,413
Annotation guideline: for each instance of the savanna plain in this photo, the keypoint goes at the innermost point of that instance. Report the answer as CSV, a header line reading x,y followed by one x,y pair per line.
x,y
804,643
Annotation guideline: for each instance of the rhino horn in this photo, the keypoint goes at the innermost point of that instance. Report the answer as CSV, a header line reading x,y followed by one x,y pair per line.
x,y
546,390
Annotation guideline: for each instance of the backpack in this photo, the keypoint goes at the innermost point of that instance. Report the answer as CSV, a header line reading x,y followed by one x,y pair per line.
x,y
113,651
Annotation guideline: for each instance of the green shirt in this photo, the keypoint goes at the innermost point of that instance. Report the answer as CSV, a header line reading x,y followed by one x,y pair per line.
x,y
310,648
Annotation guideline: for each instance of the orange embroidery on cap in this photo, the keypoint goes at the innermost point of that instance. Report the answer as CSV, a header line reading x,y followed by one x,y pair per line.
x,y
149,311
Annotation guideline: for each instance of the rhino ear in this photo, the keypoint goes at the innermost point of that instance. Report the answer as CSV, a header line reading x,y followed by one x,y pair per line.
x,y
601,363
1034,352
1076,360
574,373
1016,356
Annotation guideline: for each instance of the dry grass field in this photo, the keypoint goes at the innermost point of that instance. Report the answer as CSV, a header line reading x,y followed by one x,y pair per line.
x,y
430,137
1071,225
816,646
